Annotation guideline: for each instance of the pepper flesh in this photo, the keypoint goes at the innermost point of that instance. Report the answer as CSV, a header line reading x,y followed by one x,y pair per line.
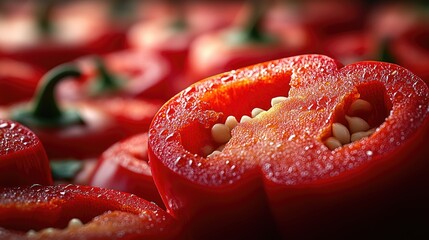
x,y
23,159
275,169
106,214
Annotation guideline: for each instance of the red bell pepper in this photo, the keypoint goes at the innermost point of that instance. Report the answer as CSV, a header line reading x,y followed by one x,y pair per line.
x,y
124,167
80,133
256,41
327,17
23,159
82,129
411,49
80,212
52,34
344,154
126,73
18,81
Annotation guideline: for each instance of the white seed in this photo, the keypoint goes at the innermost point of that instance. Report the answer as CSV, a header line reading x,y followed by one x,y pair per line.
x,y
231,122
257,111
276,100
221,133
215,152
75,223
357,124
48,230
332,143
31,233
359,106
340,132
359,135
245,118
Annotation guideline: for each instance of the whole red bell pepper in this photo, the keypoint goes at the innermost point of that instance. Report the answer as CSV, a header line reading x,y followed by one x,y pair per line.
x,y
411,49
50,34
128,73
23,159
80,212
18,81
340,152
254,41
124,167
80,129
76,132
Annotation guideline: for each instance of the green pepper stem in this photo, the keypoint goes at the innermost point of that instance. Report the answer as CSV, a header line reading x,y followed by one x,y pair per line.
x,y
385,51
252,32
253,27
45,112
44,9
106,81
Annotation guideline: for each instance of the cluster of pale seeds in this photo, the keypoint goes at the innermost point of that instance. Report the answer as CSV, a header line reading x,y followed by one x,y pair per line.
x,y
357,128
221,132
341,135
74,223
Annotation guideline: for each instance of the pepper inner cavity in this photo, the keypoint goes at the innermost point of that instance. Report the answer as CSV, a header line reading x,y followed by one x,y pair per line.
x,y
221,132
356,126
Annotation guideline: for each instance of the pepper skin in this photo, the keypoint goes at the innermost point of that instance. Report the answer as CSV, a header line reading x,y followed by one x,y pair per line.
x,y
277,169
103,213
124,167
23,159
18,81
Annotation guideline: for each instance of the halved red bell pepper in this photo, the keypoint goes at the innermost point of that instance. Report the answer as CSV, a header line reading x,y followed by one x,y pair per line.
x,y
50,33
23,159
18,81
279,167
81,212
254,41
128,73
124,167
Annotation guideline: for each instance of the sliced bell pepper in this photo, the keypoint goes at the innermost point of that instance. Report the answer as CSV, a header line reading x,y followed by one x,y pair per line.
x,y
18,81
124,167
23,159
80,212
338,152
128,73
256,40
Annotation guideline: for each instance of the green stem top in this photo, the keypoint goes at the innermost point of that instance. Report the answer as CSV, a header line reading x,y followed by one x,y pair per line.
x,y
45,111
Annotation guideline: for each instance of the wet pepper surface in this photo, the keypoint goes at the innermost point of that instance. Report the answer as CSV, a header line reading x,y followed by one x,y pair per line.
x,y
276,175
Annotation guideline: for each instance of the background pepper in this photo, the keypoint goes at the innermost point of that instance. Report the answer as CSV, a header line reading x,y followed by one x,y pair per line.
x,y
276,170
18,81
128,73
124,167
50,33
252,40
103,214
69,133
23,160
